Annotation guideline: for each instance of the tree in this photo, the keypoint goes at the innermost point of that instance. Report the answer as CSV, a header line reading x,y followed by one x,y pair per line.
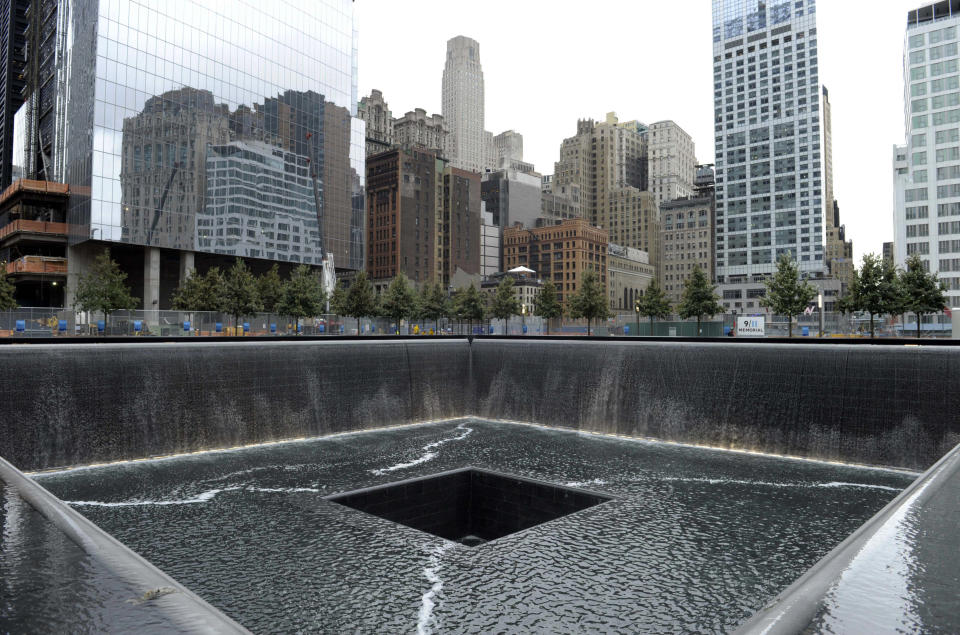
x,y
399,301
546,305
434,303
869,289
103,288
787,293
654,303
270,289
505,303
699,298
240,293
7,301
923,293
303,295
338,300
469,305
361,300
200,292
590,300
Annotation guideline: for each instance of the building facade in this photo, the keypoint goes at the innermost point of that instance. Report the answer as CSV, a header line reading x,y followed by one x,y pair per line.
x,y
489,243
769,147
401,216
458,223
605,166
13,32
629,273
463,103
671,161
418,130
561,253
926,169
511,197
375,113
148,98
686,242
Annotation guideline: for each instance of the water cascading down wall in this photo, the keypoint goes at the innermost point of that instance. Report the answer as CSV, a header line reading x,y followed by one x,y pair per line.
x,y
87,403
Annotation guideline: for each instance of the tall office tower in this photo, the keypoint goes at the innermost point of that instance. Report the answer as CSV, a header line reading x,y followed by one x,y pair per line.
x,y
463,103
926,169
13,26
509,147
769,151
129,105
606,163
671,162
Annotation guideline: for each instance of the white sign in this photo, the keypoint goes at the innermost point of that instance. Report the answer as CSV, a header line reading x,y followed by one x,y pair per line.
x,y
750,326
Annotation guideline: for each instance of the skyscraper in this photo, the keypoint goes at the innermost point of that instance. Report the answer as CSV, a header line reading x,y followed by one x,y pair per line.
x,y
926,169
769,151
13,26
463,103
174,162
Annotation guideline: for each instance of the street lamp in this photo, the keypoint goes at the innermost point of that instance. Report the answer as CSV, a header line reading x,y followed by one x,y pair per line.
x,y
636,308
820,306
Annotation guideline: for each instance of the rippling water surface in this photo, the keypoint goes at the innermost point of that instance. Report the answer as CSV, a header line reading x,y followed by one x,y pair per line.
x,y
695,540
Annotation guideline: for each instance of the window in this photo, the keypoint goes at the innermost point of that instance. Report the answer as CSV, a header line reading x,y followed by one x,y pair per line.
x,y
918,248
917,194
918,140
919,121
917,57
948,227
918,105
918,72
919,158
948,154
945,101
948,136
916,40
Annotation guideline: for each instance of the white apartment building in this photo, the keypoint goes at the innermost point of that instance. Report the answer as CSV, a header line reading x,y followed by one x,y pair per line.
x,y
926,169
462,104
671,161
769,151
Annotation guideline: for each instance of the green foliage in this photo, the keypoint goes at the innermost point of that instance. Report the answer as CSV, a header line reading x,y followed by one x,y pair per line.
x,y
200,292
7,301
270,289
102,287
872,289
590,300
338,300
547,306
654,304
240,293
303,295
434,303
361,300
922,292
699,298
469,305
787,293
399,301
504,303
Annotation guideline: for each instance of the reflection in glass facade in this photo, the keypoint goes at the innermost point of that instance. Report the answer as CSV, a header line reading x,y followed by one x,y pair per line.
x,y
225,127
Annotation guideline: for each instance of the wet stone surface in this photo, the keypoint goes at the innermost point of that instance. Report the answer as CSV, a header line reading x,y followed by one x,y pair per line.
x,y
693,539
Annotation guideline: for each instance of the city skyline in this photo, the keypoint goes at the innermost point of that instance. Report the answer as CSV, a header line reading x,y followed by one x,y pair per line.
x,y
582,72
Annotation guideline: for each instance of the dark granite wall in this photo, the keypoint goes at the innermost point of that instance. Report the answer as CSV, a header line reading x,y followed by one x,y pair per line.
x,y
76,404
884,405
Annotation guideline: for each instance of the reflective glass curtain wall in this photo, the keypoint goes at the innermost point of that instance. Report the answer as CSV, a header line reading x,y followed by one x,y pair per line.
x,y
227,127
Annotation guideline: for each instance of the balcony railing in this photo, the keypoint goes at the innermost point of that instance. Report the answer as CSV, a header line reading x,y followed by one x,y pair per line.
x,y
38,264
33,227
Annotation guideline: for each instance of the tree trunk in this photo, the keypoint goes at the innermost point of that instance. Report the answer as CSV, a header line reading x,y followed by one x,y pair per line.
x,y
919,318
698,326
790,326
871,326
588,327
358,325
651,327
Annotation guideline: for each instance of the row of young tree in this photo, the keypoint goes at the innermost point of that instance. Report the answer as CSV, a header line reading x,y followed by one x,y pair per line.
x,y
878,287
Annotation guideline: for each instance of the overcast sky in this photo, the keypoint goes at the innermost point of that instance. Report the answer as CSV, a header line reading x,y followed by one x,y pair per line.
x,y
548,63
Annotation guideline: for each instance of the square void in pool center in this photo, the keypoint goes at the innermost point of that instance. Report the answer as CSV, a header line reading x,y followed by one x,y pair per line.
x,y
470,505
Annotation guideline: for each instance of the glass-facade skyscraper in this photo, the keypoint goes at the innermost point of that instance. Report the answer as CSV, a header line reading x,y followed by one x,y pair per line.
x,y
223,128
770,170
926,169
